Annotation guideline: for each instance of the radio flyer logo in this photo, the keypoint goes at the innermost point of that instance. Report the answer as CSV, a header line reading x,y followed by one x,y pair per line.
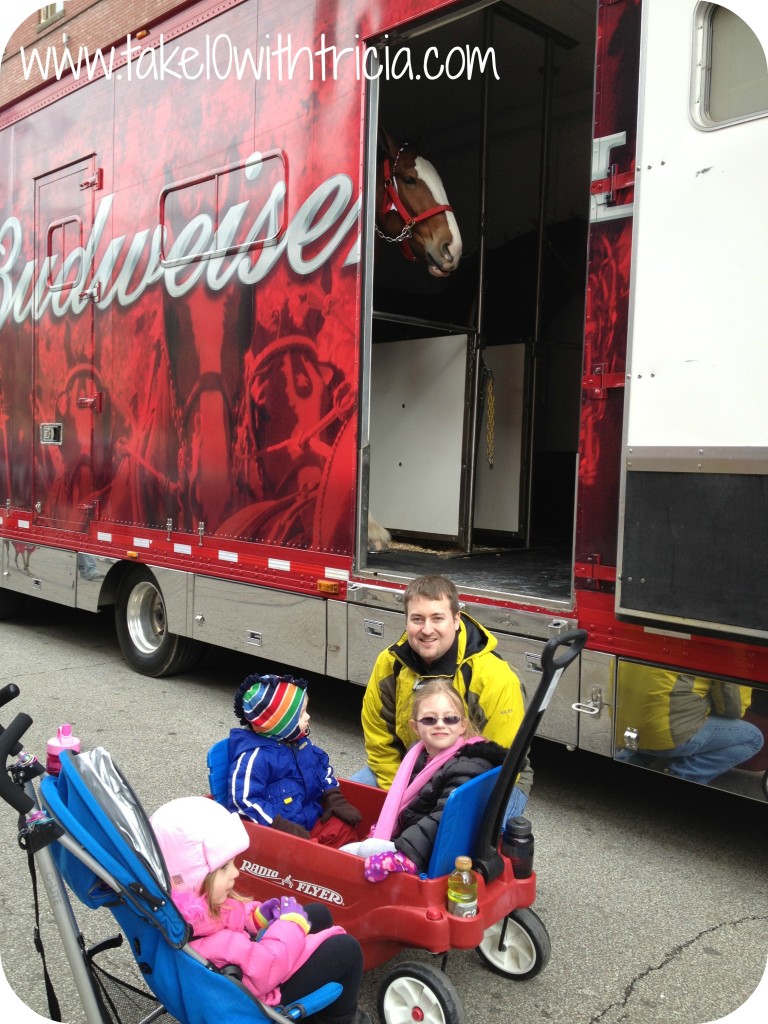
x,y
311,890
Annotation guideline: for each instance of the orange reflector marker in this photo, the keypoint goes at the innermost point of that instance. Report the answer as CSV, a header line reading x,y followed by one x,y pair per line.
x,y
131,554
328,586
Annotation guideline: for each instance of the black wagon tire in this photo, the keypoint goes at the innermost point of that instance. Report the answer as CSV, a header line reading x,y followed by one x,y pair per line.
x,y
142,628
517,947
415,991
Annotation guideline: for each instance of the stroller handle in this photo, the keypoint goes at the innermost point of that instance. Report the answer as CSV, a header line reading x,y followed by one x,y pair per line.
x,y
9,747
8,693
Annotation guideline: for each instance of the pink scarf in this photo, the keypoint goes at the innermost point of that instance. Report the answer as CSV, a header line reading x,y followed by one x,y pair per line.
x,y
401,793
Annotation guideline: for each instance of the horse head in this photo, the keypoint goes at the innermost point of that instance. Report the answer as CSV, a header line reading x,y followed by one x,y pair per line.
x,y
412,207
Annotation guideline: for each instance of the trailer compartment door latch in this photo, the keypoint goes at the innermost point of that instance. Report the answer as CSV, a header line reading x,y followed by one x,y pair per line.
x,y
93,293
593,569
95,181
612,183
93,402
596,383
591,707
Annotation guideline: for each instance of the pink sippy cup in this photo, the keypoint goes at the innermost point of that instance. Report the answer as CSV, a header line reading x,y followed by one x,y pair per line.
x,y
63,740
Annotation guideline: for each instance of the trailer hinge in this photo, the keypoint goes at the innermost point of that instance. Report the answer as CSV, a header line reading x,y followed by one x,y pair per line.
x,y
95,181
597,383
612,183
92,402
593,569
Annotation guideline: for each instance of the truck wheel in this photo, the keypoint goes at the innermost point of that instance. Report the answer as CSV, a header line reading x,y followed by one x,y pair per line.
x,y
418,992
142,631
517,947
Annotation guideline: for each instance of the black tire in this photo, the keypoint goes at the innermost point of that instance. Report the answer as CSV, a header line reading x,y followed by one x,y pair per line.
x,y
525,950
140,622
12,604
414,991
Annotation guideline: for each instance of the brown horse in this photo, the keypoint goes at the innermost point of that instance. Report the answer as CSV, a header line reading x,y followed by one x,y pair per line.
x,y
413,209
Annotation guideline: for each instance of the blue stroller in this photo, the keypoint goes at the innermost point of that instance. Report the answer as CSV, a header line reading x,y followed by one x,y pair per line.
x,y
88,829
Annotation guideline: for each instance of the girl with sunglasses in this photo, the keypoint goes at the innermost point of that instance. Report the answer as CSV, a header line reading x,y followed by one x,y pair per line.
x,y
448,752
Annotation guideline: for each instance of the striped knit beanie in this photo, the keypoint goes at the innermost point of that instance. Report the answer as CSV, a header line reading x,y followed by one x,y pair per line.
x,y
271,705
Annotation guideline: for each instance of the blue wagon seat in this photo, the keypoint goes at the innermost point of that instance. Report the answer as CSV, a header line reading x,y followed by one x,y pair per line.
x,y
459,824
117,864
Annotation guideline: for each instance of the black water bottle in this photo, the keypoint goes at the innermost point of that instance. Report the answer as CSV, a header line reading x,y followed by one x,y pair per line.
x,y
517,844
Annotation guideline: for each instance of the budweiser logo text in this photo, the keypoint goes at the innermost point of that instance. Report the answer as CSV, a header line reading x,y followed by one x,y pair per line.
x,y
121,269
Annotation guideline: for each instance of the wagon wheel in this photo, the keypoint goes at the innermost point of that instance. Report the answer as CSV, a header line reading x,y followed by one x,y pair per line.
x,y
417,992
517,947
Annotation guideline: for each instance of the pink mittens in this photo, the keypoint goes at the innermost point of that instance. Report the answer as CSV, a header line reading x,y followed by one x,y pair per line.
x,y
379,865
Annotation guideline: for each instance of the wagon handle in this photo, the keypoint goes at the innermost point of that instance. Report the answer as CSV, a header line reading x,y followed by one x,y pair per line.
x,y
487,858
9,747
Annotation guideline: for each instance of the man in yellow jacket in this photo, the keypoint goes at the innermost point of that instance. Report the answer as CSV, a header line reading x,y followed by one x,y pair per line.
x,y
439,641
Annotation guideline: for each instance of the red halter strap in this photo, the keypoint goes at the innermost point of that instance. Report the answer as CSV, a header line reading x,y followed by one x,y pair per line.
x,y
409,221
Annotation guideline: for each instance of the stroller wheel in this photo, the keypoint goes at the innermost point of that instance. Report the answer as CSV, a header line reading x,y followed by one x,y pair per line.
x,y
517,947
417,992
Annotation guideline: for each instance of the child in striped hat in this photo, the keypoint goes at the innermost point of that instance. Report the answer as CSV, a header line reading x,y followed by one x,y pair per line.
x,y
277,776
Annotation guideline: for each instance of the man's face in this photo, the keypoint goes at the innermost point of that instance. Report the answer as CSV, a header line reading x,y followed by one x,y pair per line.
x,y
431,627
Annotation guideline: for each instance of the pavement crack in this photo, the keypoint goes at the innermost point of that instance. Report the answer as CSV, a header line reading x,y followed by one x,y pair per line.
x,y
620,1004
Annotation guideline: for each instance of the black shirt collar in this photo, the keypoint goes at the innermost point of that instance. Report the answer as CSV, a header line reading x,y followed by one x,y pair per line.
x,y
444,666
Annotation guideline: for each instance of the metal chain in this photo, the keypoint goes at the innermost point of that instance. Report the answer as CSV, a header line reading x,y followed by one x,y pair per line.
x,y
490,429
404,234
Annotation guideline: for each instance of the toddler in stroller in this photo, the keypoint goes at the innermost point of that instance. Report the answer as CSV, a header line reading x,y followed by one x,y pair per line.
x,y
88,829
279,948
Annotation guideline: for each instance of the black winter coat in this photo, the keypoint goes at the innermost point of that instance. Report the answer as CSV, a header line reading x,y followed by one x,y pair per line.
x,y
417,824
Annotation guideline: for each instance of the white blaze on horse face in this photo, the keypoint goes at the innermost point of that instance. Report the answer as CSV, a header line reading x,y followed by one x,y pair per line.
x,y
426,171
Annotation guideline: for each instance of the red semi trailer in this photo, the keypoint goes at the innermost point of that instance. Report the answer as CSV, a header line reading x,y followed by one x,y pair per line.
x,y
214,370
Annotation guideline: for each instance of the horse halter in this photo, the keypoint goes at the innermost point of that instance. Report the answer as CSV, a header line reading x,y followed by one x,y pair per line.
x,y
409,221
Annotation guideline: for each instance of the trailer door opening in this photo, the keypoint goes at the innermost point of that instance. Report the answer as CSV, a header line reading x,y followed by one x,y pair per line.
x,y
476,377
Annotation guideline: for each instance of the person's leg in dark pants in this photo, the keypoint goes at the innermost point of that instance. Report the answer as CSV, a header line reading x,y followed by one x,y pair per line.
x,y
319,916
339,958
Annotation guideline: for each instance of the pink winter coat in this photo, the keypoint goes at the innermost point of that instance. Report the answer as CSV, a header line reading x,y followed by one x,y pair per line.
x,y
225,939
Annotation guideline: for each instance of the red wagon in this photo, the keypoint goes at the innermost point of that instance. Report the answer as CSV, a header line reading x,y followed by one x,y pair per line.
x,y
409,911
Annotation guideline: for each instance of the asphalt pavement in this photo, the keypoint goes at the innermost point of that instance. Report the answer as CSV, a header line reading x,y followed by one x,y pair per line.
x,y
654,891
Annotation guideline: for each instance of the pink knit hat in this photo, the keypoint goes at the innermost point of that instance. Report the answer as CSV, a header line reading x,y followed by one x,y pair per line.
x,y
196,836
